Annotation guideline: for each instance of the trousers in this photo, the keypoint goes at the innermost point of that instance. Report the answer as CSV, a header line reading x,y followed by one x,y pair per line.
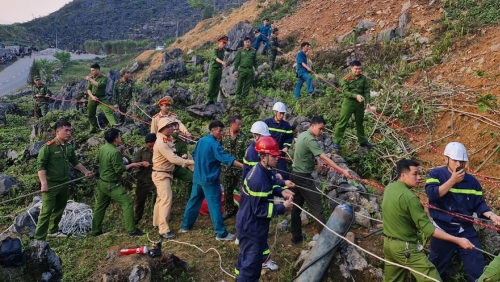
x,y
350,107
303,77
92,110
214,79
163,205
245,76
105,193
53,205
141,194
212,192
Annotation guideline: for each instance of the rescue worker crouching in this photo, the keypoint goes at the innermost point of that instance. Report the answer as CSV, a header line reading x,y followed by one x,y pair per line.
x,y
257,209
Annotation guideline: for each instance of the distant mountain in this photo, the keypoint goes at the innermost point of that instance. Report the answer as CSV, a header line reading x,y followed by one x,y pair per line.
x,y
154,20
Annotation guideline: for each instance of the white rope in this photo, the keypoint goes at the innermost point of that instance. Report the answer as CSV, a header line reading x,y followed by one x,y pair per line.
x,y
356,246
76,219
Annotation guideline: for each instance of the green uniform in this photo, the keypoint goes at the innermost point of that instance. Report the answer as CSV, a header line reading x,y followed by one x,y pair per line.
x,y
215,75
491,271
352,86
404,216
231,178
145,183
100,93
54,158
41,103
273,51
123,92
306,150
245,64
182,173
111,169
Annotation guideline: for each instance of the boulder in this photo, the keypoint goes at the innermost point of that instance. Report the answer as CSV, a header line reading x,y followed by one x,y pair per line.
x,y
7,183
214,111
404,19
387,35
94,142
43,263
197,60
11,156
237,34
136,66
365,24
180,95
354,259
25,223
32,150
171,70
140,273
171,55
67,97
113,77
228,82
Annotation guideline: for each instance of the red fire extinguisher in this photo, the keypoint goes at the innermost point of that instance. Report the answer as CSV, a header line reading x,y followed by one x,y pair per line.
x,y
141,250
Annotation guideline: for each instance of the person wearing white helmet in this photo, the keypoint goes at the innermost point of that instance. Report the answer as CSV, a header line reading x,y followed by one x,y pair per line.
x,y
282,132
251,158
450,188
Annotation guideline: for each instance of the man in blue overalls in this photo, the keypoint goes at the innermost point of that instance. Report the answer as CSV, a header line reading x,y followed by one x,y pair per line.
x,y
303,71
265,34
282,132
451,189
257,208
251,158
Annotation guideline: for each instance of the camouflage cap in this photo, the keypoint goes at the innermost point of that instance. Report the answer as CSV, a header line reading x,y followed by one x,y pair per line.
x,y
165,100
124,71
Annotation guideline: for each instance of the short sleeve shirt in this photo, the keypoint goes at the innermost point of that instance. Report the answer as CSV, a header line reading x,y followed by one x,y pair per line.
x,y
306,150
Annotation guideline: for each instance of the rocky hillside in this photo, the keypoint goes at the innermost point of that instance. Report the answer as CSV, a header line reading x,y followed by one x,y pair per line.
x,y
104,20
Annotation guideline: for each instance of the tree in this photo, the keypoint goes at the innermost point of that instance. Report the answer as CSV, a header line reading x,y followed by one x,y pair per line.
x,y
63,57
208,8
34,71
46,70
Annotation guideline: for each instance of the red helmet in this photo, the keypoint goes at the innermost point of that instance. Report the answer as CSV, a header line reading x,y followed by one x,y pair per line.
x,y
267,145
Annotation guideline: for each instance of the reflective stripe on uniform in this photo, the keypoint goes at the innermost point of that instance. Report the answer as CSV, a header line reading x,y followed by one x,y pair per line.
x,y
249,163
256,194
270,210
432,180
280,130
266,252
466,191
287,144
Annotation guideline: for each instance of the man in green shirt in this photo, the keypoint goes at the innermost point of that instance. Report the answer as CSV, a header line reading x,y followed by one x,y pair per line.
x,y
274,48
356,91
111,169
124,91
215,71
235,143
145,184
41,95
304,163
245,67
96,88
404,216
53,163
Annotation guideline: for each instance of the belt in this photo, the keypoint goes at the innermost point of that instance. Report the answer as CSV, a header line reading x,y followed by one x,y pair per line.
x,y
242,67
397,239
163,171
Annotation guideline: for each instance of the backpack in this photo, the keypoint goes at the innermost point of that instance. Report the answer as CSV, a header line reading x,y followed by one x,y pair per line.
x,y
11,252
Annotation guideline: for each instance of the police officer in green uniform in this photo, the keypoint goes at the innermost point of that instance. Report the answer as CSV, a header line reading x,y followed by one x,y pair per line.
x,y
41,95
145,183
235,142
404,216
274,48
123,92
96,88
111,169
245,67
53,163
184,174
356,91
215,71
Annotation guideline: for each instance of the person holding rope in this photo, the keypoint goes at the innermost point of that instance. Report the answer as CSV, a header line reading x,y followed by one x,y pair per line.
x,y
165,104
42,96
54,160
257,209
251,158
404,216
96,88
208,156
215,71
245,68
304,163
145,184
164,161
184,174
303,71
234,142
123,92
451,189
264,31
356,90
282,132
274,48
111,168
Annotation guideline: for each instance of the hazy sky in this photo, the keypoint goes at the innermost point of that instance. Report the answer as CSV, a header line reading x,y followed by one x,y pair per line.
x,y
25,10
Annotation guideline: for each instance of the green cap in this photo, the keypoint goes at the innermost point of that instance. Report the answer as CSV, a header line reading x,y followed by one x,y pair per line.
x,y
36,78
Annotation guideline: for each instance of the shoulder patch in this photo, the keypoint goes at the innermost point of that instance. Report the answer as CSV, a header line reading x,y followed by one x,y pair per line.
x,y
49,142
348,77
156,115
166,139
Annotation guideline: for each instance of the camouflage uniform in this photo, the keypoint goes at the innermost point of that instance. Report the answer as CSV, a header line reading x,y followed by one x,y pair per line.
x,y
231,178
41,103
273,52
123,92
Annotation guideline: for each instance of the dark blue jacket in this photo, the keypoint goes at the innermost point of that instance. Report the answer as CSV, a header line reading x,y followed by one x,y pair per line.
x,y
265,30
256,210
208,156
465,198
250,159
301,58
282,132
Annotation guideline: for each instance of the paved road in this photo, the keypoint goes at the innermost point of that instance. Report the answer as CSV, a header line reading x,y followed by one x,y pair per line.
x,y
14,76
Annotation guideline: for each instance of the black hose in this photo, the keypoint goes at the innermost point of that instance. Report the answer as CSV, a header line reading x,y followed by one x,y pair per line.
x,y
324,254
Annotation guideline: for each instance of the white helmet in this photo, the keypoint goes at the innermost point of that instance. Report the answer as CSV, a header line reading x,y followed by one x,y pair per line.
x,y
456,151
280,107
260,127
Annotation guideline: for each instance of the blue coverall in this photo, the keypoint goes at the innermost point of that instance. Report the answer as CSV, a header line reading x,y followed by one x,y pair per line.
x,y
253,219
303,75
465,198
208,156
282,132
265,35
250,159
